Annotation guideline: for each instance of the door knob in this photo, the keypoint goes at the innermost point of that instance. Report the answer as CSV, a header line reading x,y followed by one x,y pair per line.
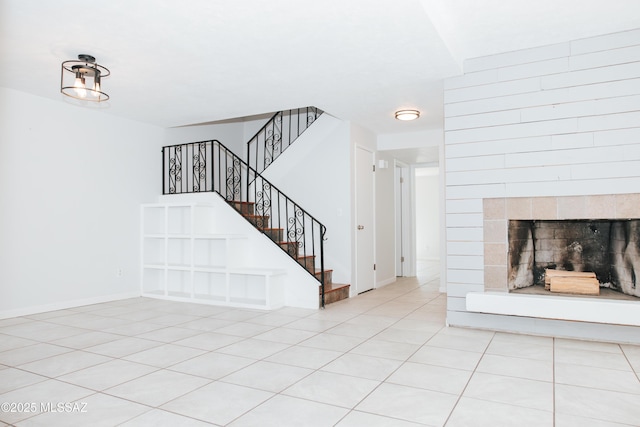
x,y
361,227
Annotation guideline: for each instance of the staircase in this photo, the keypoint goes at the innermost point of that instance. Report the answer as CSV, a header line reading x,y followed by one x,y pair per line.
x,y
209,166
332,291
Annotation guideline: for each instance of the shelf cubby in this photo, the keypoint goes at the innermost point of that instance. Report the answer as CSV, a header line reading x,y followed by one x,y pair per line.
x,y
210,286
183,259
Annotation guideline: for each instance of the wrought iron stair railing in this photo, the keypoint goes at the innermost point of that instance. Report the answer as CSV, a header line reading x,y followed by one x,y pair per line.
x,y
209,166
282,129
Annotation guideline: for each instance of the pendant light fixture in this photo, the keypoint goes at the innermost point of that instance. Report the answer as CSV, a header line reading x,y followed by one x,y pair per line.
x,y
82,79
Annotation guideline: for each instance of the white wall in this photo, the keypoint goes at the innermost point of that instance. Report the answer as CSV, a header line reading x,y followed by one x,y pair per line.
x,y
397,141
252,125
427,214
71,182
551,121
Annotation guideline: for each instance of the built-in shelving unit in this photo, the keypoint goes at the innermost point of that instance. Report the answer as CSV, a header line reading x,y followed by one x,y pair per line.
x,y
185,259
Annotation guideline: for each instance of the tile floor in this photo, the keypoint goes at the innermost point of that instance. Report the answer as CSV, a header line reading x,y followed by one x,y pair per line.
x,y
384,358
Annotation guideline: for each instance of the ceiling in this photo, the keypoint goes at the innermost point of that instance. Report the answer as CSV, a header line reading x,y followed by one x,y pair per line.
x,y
175,63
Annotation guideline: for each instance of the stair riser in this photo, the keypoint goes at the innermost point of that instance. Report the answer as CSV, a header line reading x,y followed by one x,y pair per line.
x,y
308,264
290,248
243,208
258,221
274,234
328,276
335,296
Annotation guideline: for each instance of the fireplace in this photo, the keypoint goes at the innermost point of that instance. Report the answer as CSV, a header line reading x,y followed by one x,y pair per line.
x,y
604,237
607,247
531,308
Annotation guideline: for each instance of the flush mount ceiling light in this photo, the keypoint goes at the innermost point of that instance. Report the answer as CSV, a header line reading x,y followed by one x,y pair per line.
x,y
82,79
406,115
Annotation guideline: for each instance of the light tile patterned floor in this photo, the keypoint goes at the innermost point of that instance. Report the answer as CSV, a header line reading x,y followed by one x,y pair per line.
x,y
384,358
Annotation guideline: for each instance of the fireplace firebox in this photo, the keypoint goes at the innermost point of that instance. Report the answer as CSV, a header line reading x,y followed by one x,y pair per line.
x,y
610,248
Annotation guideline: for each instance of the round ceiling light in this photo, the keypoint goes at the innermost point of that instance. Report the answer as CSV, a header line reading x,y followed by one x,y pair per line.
x,y
406,115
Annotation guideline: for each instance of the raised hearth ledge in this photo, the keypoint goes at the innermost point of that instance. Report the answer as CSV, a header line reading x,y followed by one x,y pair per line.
x,y
562,308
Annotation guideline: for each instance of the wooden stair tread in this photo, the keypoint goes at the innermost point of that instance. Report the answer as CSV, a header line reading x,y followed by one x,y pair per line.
x,y
326,270
241,202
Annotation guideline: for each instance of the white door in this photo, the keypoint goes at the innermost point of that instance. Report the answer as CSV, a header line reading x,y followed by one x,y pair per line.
x,y
365,256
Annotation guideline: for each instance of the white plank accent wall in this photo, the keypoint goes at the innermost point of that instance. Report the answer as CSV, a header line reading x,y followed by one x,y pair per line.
x,y
558,120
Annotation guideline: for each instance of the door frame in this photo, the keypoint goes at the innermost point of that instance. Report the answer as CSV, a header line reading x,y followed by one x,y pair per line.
x,y
403,219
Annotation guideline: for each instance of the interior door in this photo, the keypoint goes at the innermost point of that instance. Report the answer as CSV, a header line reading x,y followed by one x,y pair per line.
x,y
365,255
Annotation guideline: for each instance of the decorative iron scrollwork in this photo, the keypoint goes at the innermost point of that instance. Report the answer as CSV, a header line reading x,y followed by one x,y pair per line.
x,y
199,167
311,117
233,180
273,141
263,198
261,221
295,229
175,170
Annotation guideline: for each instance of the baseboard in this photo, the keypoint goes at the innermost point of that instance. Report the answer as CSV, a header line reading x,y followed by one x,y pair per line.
x,y
65,305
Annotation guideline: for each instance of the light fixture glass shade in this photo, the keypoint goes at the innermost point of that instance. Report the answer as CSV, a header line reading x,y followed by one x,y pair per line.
x,y
407,114
81,79
96,84
79,87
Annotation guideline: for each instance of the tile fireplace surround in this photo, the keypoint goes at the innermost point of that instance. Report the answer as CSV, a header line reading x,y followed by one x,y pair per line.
x,y
497,300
